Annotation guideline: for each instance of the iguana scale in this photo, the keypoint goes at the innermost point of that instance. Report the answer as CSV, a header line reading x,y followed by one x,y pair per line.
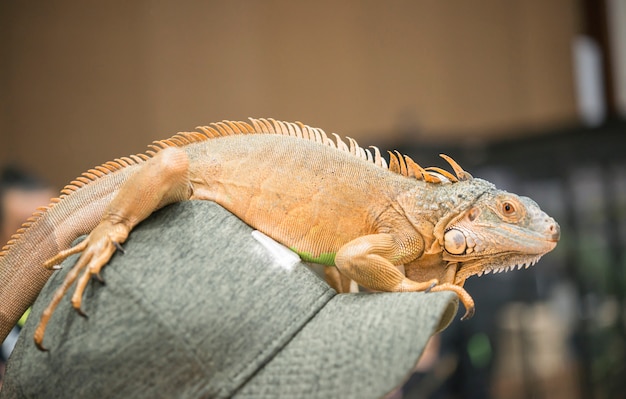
x,y
333,203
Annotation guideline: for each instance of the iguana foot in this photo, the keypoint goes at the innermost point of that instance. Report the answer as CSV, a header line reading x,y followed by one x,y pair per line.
x,y
463,295
96,250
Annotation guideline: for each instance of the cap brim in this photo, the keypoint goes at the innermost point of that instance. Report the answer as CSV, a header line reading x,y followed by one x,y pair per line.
x,y
197,308
357,346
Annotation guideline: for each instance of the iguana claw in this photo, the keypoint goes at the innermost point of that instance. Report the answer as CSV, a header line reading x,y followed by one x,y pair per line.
x,y
119,247
98,277
81,313
432,285
40,346
469,313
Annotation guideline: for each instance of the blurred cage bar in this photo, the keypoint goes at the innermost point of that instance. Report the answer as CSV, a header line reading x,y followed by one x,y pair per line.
x,y
558,329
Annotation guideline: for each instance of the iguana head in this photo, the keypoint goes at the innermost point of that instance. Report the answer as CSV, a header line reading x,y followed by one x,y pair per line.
x,y
500,231
477,227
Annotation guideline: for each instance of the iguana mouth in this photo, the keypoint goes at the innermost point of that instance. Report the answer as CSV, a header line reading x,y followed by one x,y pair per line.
x,y
497,264
515,266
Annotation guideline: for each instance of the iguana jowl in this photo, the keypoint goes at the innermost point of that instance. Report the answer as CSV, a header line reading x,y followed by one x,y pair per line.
x,y
333,203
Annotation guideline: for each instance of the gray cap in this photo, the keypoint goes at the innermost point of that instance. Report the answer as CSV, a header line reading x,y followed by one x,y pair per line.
x,y
197,308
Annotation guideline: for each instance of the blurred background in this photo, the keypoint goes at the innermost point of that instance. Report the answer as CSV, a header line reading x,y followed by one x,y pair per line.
x,y
530,94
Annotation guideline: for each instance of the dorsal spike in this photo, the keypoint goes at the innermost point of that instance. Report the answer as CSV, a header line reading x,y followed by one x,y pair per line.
x,y
431,178
256,125
227,128
341,144
235,127
282,128
278,127
317,135
362,153
394,164
128,160
458,170
330,143
179,140
158,145
327,140
244,127
196,136
208,131
293,131
268,126
444,173
323,135
222,128
89,175
296,129
401,161
303,129
353,146
378,159
415,170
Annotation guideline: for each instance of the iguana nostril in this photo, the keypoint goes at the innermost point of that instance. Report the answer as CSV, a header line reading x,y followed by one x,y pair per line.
x,y
555,231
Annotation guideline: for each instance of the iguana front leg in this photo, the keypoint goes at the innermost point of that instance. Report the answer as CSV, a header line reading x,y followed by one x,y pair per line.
x,y
160,181
369,260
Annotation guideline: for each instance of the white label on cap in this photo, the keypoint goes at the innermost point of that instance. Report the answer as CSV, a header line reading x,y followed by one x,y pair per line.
x,y
283,256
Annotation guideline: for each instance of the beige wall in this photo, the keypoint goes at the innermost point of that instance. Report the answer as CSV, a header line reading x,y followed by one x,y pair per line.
x,y
83,82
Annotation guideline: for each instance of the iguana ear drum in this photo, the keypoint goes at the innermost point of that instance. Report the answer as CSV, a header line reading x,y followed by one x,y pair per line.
x,y
454,242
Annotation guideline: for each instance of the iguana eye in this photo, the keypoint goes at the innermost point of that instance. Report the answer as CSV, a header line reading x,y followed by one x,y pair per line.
x,y
508,209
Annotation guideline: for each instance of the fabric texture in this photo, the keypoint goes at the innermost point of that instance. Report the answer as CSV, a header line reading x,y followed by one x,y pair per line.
x,y
197,308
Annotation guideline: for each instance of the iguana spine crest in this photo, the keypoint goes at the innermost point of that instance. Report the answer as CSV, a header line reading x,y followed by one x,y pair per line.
x,y
398,163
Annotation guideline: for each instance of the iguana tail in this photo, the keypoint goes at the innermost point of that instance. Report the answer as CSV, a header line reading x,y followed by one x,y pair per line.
x,y
75,212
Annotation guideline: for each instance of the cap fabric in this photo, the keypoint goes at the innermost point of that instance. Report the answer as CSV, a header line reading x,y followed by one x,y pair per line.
x,y
197,308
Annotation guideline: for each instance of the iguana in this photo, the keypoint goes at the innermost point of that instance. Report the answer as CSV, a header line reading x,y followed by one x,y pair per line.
x,y
332,202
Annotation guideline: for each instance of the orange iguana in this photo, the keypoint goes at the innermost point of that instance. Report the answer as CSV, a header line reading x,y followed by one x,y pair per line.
x,y
333,203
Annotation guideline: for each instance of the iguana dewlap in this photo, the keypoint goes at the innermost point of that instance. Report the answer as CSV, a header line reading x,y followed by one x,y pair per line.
x,y
333,203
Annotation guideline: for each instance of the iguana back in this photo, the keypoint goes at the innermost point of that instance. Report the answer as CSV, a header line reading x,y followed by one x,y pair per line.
x,y
312,198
